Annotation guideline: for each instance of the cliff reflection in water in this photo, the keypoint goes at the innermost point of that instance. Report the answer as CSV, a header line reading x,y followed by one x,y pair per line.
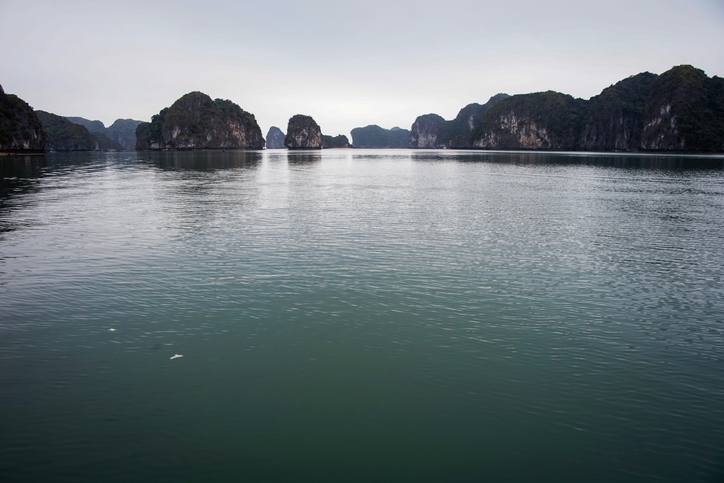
x,y
613,160
201,160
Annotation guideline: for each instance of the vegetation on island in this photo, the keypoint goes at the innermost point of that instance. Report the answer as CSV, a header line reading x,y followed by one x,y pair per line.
x,y
195,121
65,135
339,141
374,136
303,133
432,131
20,128
679,110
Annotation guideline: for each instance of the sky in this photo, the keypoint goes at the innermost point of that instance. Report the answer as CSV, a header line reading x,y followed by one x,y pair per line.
x,y
346,64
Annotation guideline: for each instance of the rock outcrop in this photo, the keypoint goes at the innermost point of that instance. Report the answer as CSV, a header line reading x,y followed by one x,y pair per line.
x,y
197,122
339,141
20,128
679,110
274,138
433,132
65,135
376,137
122,131
425,130
303,133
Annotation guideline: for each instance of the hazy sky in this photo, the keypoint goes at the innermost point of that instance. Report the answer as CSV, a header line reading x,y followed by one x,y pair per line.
x,y
347,64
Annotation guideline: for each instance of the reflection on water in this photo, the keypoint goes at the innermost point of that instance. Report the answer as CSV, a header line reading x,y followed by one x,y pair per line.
x,y
299,158
361,315
201,160
615,160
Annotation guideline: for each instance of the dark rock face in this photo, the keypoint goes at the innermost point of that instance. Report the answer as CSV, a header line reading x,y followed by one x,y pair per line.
x,y
65,135
425,130
339,141
375,137
615,118
197,122
544,120
92,126
122,131
275,138
303,133
432,131
680,110
20,128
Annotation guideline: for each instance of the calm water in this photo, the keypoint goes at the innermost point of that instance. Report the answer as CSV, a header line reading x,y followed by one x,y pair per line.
x,y
361,316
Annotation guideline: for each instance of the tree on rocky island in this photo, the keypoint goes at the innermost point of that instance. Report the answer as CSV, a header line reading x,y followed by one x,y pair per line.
x,y
303,133
196,122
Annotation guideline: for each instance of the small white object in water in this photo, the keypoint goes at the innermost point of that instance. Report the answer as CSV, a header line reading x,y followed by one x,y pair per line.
x,y
111,330
176,356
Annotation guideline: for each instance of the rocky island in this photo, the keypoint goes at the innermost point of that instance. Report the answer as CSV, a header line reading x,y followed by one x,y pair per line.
x,y
303,133
376,137
274,138
122,131
20,128
679,110
433,132
335,142
65,135
195,121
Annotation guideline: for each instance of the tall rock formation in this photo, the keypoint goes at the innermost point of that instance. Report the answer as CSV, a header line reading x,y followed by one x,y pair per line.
x,y
376,137
544,120
614,119
432,131
275,138
679,110
123,131
196,122
685,110
424,131
20,128
303,133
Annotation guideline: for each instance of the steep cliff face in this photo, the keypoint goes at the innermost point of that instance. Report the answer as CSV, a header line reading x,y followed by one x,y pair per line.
x,y
303,133
543,120
424,131
20,128
680,110
275,138
376,137
123,131
197,122
431,131
685,110
614,119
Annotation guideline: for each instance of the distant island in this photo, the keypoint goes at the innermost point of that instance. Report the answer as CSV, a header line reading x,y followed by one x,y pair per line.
x,y
376,137
122,131
681,110
275,138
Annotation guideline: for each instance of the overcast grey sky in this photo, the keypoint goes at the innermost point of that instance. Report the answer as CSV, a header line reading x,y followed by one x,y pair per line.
x,y
347,64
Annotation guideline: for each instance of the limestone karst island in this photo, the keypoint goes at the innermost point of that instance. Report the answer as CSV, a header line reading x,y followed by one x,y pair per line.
x,y
681,110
